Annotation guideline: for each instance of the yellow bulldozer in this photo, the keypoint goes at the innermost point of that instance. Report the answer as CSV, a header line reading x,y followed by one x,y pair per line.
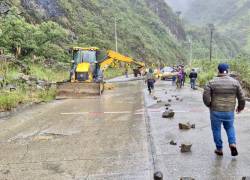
x,y
86,75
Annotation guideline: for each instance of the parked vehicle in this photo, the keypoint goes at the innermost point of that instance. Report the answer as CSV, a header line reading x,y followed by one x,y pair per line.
x,y
168,73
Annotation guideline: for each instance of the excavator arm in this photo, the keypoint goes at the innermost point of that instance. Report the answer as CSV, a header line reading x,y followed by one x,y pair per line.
x,y
113,56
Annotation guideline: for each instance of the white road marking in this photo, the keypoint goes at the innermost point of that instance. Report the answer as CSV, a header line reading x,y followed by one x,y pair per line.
x,y
84,113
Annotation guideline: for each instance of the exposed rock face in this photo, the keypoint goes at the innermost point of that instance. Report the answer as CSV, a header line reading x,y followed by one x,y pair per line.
x,y
4,7
167,17
46,8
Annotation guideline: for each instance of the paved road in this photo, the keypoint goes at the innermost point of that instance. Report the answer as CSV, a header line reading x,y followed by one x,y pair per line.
x,y
201,163
114,137
96,138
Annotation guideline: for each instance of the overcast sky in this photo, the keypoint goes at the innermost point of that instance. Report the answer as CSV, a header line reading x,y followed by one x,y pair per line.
x,y
179,5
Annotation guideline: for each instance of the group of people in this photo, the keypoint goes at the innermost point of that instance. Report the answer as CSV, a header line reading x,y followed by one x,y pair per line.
x,y
180,78
220,95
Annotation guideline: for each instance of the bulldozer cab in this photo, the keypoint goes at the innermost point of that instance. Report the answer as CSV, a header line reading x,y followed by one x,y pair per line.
x,y
84,55
85,76
84,64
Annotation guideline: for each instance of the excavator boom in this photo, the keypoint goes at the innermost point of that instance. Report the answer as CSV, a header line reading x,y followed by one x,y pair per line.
x,y
115,56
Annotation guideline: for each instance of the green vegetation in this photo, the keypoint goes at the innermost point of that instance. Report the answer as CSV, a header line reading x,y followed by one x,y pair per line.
x,y
37,35
27,92
113,72
240,66
207,70
231,38
24,39
223,47
48,74
231,17
143,32
8,100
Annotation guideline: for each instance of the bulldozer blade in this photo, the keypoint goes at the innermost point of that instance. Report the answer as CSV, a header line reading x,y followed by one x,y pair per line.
x,y
78,90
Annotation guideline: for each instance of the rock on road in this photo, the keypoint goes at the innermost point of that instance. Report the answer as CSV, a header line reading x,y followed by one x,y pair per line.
x,y
119,136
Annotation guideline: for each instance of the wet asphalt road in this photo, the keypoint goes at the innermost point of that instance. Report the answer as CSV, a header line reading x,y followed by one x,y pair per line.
x,y
95,139
115,137
201,163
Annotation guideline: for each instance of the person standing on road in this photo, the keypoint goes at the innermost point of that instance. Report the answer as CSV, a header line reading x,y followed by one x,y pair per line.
x,y
193,76
150,80
184,78
179,78
220,96
126,72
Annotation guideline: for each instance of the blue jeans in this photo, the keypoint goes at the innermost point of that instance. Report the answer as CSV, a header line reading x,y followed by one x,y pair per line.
x,y
227,119
192,82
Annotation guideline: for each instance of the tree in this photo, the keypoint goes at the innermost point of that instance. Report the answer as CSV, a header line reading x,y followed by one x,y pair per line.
x,y
17,34
50,32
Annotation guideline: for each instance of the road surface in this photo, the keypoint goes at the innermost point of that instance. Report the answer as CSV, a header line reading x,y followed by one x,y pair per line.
x,y
201,163
119,136
96,138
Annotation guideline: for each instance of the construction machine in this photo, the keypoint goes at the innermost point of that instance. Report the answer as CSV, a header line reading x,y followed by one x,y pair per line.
x,y
86,75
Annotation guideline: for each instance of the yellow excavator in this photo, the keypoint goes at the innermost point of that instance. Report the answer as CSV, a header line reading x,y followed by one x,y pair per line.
x,y
86,75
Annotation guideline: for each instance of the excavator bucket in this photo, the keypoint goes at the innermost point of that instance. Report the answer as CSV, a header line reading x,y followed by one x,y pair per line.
x,y
69,90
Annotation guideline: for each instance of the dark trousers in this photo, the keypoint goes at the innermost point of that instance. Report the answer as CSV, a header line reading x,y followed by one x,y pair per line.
x,y
193,82
150,85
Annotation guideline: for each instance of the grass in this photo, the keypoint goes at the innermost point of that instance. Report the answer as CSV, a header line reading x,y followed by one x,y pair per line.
x,y
9,100
51,75
208,70
24,93
115,72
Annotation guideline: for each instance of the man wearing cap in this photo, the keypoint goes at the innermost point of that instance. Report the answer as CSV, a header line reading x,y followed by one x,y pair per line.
x,y
220,96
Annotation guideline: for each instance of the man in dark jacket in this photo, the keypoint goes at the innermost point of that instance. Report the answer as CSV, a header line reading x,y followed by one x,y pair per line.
x,y
193,76
150,80
220,96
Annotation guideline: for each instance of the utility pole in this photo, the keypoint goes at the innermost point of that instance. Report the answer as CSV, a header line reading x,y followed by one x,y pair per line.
x,y
211,28
116,38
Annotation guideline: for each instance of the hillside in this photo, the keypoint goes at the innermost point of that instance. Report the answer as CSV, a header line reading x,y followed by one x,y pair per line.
x,y
231,17
179,5
147,30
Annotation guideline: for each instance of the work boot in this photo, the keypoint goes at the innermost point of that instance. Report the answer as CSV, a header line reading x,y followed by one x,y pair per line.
x,y
218,152
233,149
